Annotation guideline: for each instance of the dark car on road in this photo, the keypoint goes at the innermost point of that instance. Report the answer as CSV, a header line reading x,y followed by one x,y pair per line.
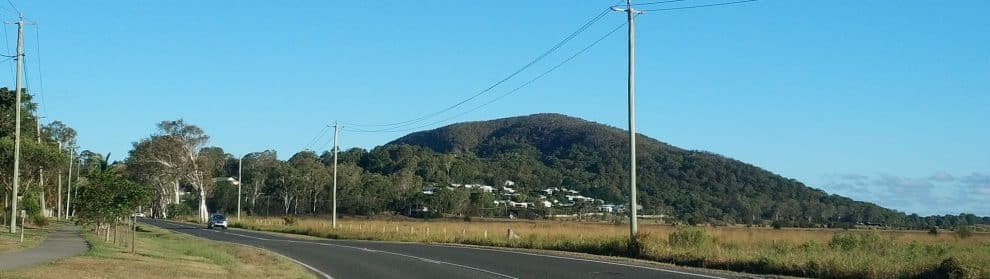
x,y
217,220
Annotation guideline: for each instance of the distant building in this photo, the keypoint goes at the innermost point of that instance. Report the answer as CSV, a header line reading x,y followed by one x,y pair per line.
x,y
578,198
428,189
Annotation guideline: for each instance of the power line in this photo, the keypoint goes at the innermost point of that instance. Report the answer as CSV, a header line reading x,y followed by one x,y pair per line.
x,y
14,7
659,2
699,6
317,137
41,74
557,46
514,90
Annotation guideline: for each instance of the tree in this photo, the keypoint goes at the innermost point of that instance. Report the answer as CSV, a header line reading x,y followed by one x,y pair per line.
x,y
108,196
257,167
311,175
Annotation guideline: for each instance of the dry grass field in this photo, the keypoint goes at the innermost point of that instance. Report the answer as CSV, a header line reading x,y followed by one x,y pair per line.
x,y
801,252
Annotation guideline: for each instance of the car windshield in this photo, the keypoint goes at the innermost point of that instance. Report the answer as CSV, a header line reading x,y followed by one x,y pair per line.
x,y
219,218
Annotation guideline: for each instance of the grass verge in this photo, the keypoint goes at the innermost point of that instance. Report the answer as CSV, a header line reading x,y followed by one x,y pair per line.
x,y
165,254
32,237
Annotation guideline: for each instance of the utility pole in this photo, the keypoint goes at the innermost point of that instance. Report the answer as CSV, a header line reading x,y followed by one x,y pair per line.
x,y
630,14
336,131
58,203
240,163
41,172
19,57
68,184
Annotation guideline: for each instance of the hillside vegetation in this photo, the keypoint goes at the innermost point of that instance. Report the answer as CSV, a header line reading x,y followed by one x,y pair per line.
x,y
550,150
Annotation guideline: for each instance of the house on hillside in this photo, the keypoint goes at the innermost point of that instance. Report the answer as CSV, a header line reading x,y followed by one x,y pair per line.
x,y
574,198
486,188
428,189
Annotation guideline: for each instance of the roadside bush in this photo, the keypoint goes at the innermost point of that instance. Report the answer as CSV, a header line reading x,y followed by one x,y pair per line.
x,y
963,231
848,241
289,220
40,220
950,268
176,210
689,237
933,230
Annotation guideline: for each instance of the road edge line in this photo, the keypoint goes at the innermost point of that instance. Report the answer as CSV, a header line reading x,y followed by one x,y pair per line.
x,y
313,269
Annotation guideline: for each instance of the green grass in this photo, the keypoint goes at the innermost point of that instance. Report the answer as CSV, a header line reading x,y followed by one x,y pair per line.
x,y
165,254
32,237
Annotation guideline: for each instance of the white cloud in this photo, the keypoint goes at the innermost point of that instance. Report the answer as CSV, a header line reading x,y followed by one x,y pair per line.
x,y
941,193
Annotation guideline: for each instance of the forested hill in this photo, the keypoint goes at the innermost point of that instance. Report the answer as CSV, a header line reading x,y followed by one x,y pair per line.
x,y
553,150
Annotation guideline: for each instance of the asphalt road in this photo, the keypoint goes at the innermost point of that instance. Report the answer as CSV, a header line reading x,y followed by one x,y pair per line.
x,y
374,259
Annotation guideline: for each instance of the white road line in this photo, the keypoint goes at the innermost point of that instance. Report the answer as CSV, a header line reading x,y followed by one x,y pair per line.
x,y
587,260
503,251
435,261
317,271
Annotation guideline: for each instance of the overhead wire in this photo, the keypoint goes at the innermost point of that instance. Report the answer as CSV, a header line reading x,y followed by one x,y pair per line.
x,y
14,7
658,2
698,6
532,62
41,75
514,90
317,137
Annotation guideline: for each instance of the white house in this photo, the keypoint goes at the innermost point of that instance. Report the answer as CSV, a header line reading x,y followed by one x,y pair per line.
x,y
578,198
519,204
486,188
508,190
509,183
546,203
428,190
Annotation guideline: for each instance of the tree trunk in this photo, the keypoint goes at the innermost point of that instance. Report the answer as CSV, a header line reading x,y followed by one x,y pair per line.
x,y
203,214
176,200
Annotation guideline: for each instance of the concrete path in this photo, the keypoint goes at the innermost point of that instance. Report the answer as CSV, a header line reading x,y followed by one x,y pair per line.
x,y
64,243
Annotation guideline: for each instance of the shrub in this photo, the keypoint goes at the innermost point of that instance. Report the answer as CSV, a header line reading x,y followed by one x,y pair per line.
x,y
39,220
950,268
777,225
933,230
963,231
289,220
689,237
176,210
848,241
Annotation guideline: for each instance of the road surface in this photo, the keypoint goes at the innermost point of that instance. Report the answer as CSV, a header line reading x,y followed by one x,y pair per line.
x,y
374,259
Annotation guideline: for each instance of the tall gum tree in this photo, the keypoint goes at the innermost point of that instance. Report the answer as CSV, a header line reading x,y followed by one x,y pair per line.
x,y
175,149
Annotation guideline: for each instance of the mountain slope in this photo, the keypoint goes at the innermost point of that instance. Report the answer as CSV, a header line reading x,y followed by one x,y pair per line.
x,y
550,150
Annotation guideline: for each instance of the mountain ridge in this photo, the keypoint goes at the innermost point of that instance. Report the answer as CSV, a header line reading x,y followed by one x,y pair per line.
x,y
696,186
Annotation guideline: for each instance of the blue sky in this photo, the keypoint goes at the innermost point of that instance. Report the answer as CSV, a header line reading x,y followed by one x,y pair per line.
x,y
880,101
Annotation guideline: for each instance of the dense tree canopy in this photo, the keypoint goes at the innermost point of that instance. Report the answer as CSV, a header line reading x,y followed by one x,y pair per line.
x,y
536,152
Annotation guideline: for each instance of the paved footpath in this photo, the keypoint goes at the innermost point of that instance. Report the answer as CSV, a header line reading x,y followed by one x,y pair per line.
x,y
64,243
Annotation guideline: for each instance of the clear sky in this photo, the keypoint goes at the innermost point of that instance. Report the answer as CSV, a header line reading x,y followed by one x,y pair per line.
x,y
883,101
